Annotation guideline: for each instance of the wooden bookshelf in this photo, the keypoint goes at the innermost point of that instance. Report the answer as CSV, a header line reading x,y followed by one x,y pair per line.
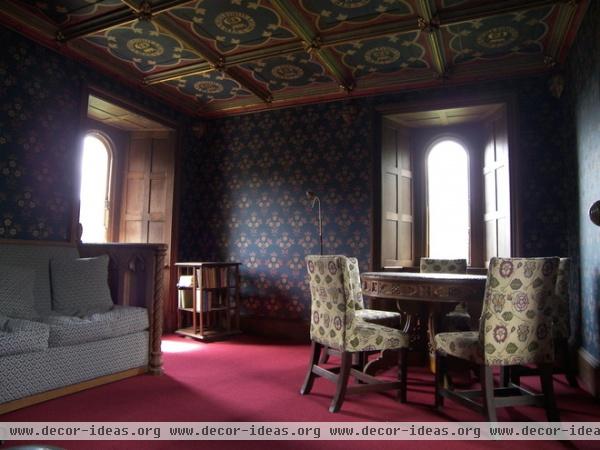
x,y
208,295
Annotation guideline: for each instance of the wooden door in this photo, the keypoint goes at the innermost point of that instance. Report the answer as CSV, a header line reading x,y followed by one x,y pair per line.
x,y
147,206
397,224
497,188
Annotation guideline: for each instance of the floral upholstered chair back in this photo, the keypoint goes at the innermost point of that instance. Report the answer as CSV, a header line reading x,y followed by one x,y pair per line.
x,y
562,313
332,299
355,286
432,265
517,316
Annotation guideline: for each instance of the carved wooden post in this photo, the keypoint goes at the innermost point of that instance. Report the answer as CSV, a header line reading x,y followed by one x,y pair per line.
x,y
156,317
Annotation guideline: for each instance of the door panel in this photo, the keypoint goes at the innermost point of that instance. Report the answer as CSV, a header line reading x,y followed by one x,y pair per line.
x,y
397,228
497,188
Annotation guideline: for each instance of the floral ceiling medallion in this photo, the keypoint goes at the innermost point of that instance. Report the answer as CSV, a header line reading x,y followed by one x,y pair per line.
x,y
287,72
235,22
145,47
210,87
350,4
382,55
497,37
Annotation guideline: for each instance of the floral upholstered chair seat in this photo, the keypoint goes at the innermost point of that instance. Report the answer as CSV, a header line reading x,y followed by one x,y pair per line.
x,y
464,345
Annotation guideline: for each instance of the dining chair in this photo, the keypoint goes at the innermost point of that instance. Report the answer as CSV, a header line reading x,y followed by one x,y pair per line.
x,y
561,333
387,318
459,318
515,328
335,324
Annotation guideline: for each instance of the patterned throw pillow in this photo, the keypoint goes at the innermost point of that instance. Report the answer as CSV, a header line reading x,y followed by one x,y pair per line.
x,y
80,286
16,292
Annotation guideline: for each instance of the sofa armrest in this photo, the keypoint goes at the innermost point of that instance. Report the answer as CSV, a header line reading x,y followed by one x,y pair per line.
x,y
135,277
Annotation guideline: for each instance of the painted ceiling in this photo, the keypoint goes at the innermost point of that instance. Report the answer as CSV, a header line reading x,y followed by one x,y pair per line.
x,y
220,57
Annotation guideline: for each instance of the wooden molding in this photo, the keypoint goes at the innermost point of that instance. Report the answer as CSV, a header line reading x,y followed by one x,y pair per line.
x,y
281,329
60,392
589,372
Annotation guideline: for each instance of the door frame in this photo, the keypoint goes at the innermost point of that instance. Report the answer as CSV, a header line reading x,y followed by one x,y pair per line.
x,y
137,108
509,99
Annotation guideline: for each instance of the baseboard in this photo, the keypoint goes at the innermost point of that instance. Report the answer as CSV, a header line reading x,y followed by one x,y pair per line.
x,y
279,329
60,392
589,372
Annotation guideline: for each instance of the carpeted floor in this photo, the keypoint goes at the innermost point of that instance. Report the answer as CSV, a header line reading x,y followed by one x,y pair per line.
x,y
248,379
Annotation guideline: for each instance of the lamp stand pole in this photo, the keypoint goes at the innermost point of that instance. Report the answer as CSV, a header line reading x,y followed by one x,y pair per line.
x,y
320,225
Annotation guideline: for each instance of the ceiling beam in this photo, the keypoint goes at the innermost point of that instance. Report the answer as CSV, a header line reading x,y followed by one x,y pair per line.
x,y
230,61
491,9
128,13
313,44
214,61
428,24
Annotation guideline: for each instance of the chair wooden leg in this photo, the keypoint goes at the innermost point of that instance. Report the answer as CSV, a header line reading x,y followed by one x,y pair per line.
x,y
487,391
440,370
342,382
505,374
402,373
562,347
570,374
315,352
324,355
548,391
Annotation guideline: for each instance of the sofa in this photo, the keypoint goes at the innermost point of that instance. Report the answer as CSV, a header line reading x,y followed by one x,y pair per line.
x,y
63,328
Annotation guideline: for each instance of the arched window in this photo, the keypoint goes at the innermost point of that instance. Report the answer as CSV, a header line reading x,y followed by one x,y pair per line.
x,y
448,200
95,188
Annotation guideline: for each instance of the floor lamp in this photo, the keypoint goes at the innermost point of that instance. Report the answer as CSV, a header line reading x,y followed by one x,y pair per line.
x,y
311,196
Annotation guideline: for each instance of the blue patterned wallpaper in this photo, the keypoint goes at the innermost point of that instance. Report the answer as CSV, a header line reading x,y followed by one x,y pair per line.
x,y
40,102
243,188
582,101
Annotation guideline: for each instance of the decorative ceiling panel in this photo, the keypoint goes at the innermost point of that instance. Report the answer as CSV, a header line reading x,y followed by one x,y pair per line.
x,y
233,24
219,57
333,13
515,34
290,71
67,12
143,45
209,87
388,54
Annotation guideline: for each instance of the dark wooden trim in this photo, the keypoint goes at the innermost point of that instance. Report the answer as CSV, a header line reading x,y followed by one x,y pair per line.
x,y
36,242
297,331
131,105
589,372
60,392
375,264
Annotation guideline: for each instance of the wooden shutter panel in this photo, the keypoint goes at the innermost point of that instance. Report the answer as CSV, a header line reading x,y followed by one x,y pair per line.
x,y
397,224
497,188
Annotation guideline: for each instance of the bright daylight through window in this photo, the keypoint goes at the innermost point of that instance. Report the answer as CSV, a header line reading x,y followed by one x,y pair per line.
x,y
94,189
448,200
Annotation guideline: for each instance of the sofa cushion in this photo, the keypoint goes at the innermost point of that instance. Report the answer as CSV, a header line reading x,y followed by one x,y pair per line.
x,y
80,286
73,330
37,257
22,336
16,292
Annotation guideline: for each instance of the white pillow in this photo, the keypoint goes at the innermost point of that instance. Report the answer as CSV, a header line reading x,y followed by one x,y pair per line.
x,y
16,292
80,286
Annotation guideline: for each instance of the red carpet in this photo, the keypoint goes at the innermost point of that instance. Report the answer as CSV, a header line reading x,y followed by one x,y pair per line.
x,y
248,379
